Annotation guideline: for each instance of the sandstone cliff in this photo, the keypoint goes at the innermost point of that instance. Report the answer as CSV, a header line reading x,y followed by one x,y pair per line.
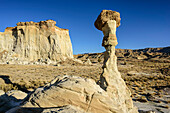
x,y
31,41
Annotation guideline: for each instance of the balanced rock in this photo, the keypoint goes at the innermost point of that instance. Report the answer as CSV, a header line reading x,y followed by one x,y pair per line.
x,y
110,79
31,41
105,16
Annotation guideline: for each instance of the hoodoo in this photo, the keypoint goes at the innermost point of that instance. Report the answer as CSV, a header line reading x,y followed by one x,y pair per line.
x,y
110,79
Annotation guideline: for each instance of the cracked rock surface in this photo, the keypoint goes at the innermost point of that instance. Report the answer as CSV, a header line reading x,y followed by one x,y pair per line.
x,y
83,94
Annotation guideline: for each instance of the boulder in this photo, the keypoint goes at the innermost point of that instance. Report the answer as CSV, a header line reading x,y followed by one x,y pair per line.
x,y
105,16
83,94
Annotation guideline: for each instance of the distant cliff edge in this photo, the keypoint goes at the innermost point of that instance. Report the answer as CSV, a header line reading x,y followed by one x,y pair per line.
x,y
30,41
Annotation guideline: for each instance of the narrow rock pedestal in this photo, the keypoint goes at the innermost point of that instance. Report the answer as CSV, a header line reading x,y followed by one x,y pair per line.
x,y
110,79
110,59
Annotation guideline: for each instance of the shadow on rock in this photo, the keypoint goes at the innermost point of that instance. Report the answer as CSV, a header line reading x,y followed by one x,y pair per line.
x,y
60,109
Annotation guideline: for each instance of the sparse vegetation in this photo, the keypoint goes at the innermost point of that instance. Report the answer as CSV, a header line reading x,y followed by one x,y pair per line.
x,y
99,59
146,79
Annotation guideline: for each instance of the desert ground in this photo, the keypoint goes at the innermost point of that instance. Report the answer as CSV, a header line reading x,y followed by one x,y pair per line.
x,y
147,79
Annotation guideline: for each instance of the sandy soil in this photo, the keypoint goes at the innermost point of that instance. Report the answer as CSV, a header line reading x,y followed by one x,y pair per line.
x,y
148,80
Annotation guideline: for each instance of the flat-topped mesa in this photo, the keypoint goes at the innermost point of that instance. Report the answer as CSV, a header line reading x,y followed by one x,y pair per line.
x,y
31,41
47,23
110,79
26,23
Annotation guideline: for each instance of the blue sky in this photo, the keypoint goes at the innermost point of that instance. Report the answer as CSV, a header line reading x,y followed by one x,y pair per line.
x,y
145,23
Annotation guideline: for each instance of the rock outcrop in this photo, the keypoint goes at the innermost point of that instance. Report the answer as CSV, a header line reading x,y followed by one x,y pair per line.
x,y
83,94
141,54
110,79
88,62
30,41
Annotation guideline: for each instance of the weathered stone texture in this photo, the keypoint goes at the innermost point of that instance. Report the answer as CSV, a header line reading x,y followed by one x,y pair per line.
x,y
105,16
110,79
84,94
31,41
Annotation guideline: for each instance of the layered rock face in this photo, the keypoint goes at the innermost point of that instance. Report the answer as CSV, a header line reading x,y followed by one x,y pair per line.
x,y
84,95
31,41
110,79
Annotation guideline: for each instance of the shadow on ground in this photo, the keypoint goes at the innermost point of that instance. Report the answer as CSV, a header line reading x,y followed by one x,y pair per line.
x,y
7,80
